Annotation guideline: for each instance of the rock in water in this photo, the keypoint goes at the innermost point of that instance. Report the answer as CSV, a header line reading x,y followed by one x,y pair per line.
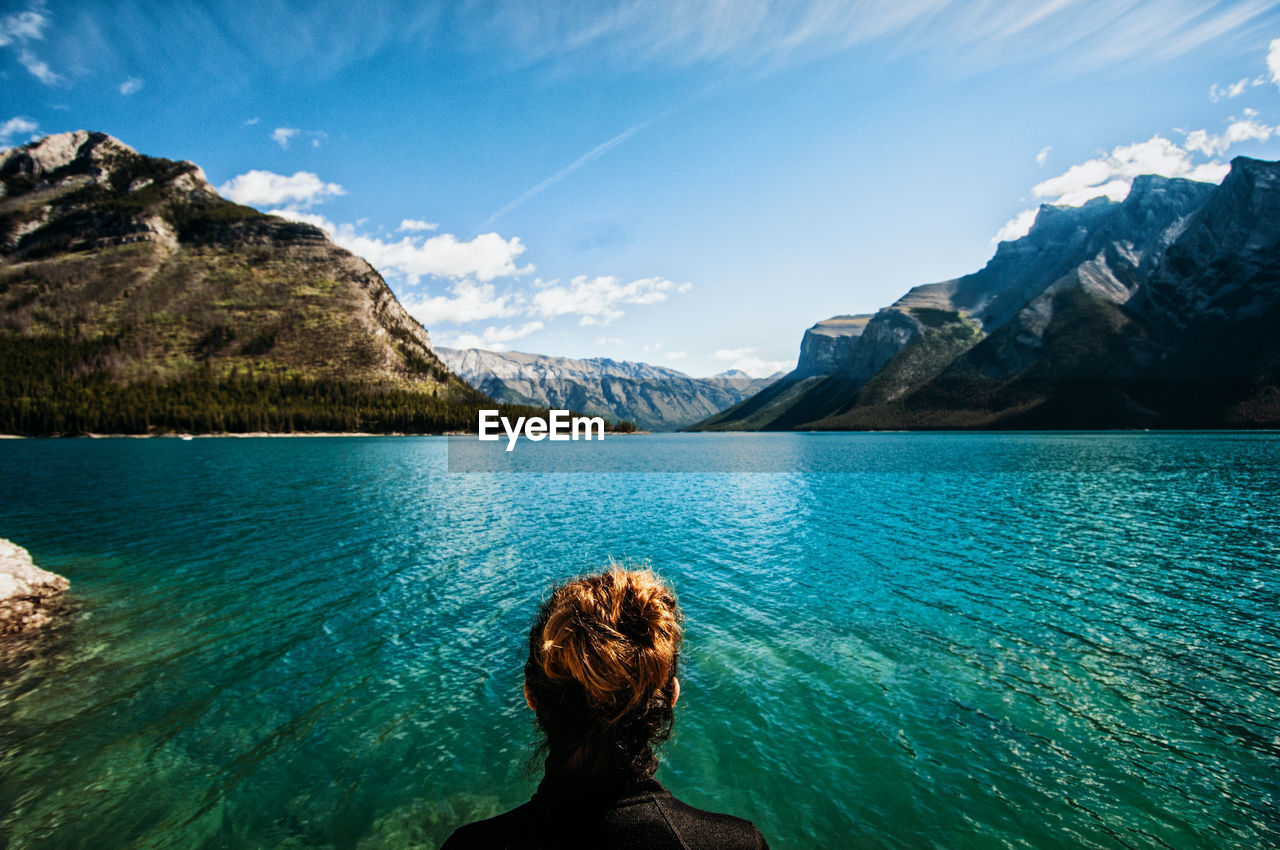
x,y
25,590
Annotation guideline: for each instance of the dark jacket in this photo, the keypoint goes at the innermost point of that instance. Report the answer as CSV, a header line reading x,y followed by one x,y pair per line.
x,y
640,815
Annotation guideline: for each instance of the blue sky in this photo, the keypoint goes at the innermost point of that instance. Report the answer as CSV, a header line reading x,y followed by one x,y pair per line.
x,y
686,183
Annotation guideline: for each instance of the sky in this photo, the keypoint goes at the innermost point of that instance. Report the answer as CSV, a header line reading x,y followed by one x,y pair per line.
x,y
690,184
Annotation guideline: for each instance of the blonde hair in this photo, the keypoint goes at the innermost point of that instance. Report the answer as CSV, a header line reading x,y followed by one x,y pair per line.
x,y
602,664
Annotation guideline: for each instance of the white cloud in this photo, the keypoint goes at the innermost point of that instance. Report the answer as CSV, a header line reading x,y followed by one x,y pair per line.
x,y
38,68
608,340
746,360
249,122
1043,156
1016,227
1273,60
596,300
266,188
1237,131
676,355
471,265
17,126
485,257
133,85
413,224
1111,175
307,218
492,338
282,135
467,301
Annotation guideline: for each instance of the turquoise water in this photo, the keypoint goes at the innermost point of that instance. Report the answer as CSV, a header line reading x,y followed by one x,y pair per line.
x,y
981,640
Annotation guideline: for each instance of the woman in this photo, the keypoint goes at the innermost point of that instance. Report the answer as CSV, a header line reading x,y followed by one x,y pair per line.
x,y
601,680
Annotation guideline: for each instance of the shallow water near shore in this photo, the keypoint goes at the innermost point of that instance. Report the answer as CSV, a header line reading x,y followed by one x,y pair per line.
x,y
982,640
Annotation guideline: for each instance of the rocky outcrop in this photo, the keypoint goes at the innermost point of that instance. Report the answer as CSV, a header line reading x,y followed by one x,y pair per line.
x,y
27,593
1154,311
828,345
653,397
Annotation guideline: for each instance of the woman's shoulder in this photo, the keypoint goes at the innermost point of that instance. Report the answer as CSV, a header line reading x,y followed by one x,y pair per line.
x,y
699,828
648,817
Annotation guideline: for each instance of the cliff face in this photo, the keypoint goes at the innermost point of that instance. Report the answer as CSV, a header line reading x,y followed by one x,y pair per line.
x,y
828,345
653,397
130,274
1146,312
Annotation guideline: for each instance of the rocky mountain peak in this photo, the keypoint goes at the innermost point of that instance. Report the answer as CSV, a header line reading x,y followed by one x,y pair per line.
x,y
81,157
84,150
82,190
1158,310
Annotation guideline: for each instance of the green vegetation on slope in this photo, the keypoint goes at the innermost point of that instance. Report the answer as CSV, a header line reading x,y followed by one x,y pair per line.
x,y
50,385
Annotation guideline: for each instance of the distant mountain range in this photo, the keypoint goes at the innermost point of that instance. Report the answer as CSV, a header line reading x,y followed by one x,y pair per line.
x,y
134,299
1159,311
653,397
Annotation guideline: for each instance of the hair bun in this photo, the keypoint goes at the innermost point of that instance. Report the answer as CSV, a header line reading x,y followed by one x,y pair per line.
x,y
617,635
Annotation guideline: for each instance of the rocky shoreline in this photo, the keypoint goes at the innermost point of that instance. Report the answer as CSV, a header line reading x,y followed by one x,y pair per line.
x,y
27,593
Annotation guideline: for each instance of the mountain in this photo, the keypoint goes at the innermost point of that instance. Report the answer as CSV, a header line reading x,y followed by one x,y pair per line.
x,y
653,397
1157,311
133,299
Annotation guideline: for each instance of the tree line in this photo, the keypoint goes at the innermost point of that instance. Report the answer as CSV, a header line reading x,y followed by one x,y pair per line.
x,y
54,385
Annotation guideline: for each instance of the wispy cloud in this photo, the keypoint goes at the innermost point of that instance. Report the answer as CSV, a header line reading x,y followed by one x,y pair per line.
x,y
24,26
18,30
133,85
38,68
595,153
752,32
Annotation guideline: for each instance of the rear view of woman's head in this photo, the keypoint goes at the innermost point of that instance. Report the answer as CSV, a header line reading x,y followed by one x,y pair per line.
x,y
601,673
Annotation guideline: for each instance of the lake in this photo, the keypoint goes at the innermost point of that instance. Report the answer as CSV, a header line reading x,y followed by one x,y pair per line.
x,y
955,640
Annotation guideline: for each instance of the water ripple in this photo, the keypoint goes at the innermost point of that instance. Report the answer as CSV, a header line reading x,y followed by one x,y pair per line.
x,y
1062,640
